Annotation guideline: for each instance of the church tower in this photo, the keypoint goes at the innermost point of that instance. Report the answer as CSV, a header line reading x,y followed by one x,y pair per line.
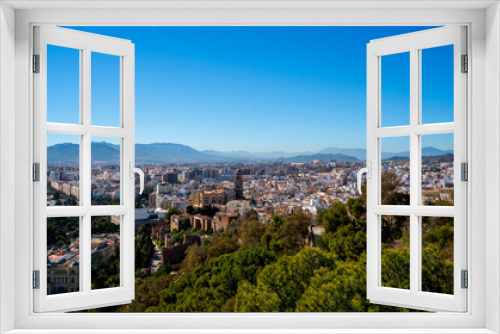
x,y
238,184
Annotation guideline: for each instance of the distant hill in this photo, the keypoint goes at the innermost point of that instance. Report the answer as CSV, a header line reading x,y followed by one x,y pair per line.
x,y
322,157
105,152
69,153
426,152
178,153
167,152
448,157
358,153
257,155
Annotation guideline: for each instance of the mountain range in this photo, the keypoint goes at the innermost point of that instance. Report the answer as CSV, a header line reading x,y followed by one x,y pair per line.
x,y
178,153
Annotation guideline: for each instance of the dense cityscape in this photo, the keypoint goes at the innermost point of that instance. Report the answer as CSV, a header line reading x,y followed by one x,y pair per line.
x,y
188,209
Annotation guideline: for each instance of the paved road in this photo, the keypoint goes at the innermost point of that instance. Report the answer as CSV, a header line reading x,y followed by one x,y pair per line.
x,y
156,261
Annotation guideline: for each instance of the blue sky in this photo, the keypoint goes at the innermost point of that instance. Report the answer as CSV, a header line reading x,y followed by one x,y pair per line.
x,y
252,88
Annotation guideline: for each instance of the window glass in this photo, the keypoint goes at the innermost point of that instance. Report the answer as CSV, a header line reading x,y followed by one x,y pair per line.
x,y
437,254
395,171
105,90
105,252
63,255
437,169
63,170
437,84
63,85
395,252
105,178
395,91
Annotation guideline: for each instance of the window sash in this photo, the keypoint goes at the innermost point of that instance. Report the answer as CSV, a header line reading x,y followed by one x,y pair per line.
x,y
86,297
413,43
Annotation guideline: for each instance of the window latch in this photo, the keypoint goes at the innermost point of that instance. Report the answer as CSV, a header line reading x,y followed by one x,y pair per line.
x,y
368,171
139,171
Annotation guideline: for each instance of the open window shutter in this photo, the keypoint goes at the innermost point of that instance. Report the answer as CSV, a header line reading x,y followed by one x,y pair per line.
x,y
66,248
416,294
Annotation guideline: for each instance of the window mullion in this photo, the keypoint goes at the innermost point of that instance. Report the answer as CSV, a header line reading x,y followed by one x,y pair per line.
x,y
86,167
86,254
414,169
85,159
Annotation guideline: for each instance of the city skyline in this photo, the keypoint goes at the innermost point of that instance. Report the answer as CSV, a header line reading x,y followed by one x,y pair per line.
x,y
251,88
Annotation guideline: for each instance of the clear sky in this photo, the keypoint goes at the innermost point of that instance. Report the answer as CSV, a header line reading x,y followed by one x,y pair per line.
x,y
253,88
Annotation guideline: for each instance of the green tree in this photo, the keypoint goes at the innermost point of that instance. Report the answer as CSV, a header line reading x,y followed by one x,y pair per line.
x,y
396,268
250,215
341,289
170,213
283,282
208,210
266,240
144,247
291,236
195,256
357,208
346,244
190,210
251,232
276,223
334,217
208,287
165,269
437,273
390,194
224,243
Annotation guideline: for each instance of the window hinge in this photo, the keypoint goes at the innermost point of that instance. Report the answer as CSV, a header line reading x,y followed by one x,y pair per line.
x,y
36,172
36,63
465,279
464,171
36,279
465,64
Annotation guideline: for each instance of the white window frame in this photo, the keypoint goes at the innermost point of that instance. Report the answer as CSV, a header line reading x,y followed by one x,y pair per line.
x,y
414,43
86,44
483,101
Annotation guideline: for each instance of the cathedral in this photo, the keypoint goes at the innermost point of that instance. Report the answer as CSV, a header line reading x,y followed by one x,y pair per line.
x,y
238,185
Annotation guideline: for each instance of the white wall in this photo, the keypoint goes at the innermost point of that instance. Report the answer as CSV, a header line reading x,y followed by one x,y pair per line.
x,y
492,165
7,158
258,17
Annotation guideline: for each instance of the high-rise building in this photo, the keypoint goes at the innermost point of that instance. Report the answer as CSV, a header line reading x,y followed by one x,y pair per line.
x,y
170,178
55,175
